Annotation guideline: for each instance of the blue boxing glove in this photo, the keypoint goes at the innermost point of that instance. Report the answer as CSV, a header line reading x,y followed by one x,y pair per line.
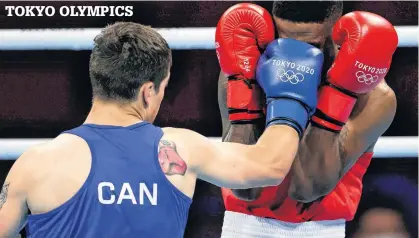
x,y
289,72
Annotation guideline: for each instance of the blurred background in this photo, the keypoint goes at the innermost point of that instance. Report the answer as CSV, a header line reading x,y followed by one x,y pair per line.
x,y
45,92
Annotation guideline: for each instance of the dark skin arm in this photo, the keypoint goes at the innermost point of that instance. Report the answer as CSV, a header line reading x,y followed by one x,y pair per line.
x,y
320,164
240,133
324,157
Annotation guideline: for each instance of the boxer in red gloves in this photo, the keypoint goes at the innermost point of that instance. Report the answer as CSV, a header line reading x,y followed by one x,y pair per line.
x,y
355,108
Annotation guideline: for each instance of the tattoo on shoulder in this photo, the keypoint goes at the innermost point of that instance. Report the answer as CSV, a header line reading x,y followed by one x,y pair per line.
x,y
3,194
170,160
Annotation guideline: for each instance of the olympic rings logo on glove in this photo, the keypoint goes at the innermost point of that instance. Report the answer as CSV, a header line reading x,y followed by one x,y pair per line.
x,y
289,76
365,78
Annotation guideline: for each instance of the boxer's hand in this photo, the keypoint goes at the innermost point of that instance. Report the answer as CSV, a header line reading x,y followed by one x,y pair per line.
x,y
242,30
289,73
368,42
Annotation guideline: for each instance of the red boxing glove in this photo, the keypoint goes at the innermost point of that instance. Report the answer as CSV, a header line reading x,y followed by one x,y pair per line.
x,y
368,42
242,30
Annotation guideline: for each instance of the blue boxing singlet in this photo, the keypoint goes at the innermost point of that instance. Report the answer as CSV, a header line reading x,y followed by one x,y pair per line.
x,y
126,193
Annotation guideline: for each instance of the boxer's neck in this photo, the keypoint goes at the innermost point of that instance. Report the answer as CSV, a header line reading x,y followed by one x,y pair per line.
x,y
113,113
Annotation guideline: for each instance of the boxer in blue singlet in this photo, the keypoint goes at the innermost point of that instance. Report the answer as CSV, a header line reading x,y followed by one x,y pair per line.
x,y
117,175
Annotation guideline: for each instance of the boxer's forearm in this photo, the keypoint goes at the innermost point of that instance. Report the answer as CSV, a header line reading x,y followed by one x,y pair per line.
x,y
318,165
245,134
324,157
239,133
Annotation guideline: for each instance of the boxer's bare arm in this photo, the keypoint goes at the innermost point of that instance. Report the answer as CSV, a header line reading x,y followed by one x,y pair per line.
x,y
234,165
247,134
13,205
324,157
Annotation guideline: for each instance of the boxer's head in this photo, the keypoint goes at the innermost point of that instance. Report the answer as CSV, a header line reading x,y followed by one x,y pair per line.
x,y
130,65
382,222
309,21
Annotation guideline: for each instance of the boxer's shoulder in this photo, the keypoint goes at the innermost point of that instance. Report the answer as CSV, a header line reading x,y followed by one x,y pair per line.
x,y
60,151
61,147
372,115
182,136
62,161
37,161
177,135
182,141
383,93
190,146
382,99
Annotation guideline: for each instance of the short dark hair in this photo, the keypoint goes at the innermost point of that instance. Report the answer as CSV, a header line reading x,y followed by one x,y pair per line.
x,y
124,57
307,11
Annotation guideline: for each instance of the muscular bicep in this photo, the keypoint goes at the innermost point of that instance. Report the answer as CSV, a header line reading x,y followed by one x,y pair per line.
x,y
13,208
372,118
229,165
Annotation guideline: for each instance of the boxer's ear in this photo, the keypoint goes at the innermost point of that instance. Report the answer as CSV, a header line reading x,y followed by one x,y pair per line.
x,y
147,93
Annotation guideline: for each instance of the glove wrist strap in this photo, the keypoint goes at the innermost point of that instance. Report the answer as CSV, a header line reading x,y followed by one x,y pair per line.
x,y
287,111
334,108
244,117
243,102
